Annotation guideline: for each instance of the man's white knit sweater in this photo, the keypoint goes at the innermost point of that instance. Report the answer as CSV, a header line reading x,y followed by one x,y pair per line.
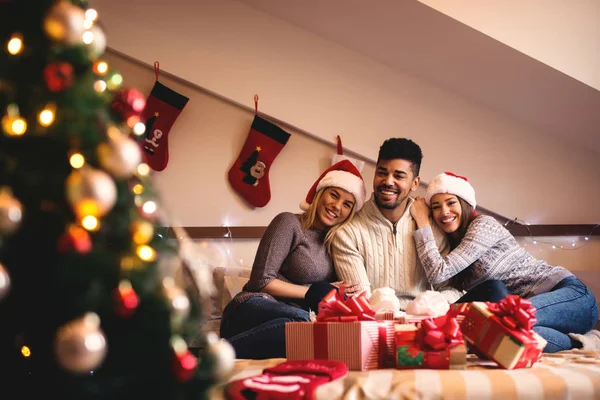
x,y
374,253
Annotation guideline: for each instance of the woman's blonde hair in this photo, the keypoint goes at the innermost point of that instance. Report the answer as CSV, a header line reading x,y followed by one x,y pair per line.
x,y
309,216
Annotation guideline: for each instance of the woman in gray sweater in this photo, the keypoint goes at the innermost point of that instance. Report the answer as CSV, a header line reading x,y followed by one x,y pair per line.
x,y
482,250
293,268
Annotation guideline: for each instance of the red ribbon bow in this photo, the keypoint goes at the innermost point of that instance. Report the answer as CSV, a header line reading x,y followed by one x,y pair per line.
x,y
335,308
439,333
515,313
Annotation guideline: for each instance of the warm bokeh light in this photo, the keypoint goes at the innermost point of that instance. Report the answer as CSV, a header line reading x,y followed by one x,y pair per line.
x,y
91,14
149,207
46,117
77,160
139,128
138,189
19,126
143,169
101,67
14,45
146,253
90,223
87,37
100,86
26,351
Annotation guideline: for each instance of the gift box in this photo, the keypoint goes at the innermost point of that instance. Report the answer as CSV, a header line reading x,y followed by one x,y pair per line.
x,y
346,331
361,345
503,332
435,343
388,315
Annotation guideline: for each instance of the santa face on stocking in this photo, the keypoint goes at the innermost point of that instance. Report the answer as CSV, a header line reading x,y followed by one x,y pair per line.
x,y
262,145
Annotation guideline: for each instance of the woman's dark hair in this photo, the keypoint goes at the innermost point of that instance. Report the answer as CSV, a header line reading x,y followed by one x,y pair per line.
x,y
466,217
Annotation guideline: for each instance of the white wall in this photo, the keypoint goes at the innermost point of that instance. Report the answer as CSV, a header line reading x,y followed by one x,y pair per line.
x,y
562,34
236,51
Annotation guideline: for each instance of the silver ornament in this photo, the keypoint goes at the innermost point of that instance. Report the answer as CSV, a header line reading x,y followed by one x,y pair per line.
x,y
98,45
223,356
178,301
120,155
91,192
65,23
80,345
11,212
4,282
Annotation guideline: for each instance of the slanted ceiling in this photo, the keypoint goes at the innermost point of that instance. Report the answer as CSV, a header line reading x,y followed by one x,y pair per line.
x,y
371,70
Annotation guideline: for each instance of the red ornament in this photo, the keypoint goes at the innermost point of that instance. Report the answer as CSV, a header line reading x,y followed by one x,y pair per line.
x,y
58,76
126,299
75,238
128,104
184,365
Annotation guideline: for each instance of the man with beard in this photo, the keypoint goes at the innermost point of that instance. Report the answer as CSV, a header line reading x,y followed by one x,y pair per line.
x,y
376,249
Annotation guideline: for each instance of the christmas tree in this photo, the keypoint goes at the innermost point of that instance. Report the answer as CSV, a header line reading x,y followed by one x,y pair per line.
x,y
89,307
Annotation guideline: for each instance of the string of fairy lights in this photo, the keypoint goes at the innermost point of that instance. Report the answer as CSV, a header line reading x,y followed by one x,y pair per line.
x,y
574,245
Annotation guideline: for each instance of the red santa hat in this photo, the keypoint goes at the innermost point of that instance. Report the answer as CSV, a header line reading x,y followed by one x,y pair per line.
x,y
450,183
343,175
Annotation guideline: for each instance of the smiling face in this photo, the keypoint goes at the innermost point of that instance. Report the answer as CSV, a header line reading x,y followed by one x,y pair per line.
x,y
333,208
393,182
446,211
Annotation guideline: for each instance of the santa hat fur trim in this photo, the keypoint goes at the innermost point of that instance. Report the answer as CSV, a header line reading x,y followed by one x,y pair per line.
x,y
343,175
450,183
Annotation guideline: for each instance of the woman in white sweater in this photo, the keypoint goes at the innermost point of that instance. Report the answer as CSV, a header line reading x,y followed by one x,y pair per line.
x,y
482,249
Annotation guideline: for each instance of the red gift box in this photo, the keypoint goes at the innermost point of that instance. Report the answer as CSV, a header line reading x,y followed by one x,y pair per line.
x,y
503,331
435,343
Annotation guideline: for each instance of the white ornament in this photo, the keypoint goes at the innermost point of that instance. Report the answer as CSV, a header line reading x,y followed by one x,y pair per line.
x,y
91,192
11,212
223,355
120,155
4,282
80,345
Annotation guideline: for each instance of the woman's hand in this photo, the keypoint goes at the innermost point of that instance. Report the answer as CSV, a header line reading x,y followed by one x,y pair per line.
x,y
350,289
420,212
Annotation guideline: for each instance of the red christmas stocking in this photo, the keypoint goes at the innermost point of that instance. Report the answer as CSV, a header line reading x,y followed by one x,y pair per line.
x,y
163,106
291,380
249,174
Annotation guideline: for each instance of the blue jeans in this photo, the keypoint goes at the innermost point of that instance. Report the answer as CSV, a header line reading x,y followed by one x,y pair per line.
x,y
492,290
568,308
256,328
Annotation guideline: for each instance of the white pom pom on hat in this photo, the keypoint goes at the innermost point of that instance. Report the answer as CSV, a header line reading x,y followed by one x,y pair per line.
x,y
343,175
450,183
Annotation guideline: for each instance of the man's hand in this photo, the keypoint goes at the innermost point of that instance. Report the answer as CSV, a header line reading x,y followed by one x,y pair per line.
x,y
420,212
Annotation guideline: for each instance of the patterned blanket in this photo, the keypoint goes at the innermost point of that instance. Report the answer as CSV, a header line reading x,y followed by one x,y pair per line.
x,y
571,374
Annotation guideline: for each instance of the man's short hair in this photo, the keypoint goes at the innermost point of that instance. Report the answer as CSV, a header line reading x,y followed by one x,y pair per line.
x,y
401,148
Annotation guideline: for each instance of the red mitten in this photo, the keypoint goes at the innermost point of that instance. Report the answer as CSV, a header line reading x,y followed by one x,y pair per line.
x,y
249,175
291,380
163,106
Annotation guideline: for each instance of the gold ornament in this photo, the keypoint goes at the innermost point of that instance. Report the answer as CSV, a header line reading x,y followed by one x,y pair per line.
x,y
222,354
91,192
11,212
141,231
120,155
65,23
4,282
80,345
178,301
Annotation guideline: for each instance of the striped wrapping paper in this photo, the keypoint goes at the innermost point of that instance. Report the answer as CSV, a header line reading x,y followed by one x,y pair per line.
x,y
572,374
357,344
